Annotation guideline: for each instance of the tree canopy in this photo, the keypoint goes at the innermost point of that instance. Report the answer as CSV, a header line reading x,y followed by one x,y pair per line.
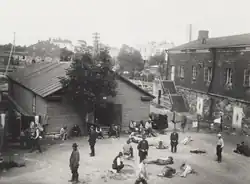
x,y
157,59
89,80
130,59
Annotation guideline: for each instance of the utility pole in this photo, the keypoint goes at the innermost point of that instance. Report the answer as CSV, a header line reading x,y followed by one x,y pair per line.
x,y
11,52
96,38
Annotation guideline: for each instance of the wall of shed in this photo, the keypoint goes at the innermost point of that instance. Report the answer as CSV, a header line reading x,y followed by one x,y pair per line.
x,y
41,109
22,96
60,114
132,106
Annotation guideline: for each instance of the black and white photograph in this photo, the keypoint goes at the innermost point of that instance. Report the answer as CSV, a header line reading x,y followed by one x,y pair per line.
x,y
124,92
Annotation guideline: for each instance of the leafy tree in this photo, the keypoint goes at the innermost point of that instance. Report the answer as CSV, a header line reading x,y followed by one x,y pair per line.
x,y
65,54
157,59
88,81
130,59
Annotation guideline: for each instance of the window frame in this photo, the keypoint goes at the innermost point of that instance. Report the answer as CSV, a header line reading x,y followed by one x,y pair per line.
x,y
245,78
181,72
194,72
229,76
208,74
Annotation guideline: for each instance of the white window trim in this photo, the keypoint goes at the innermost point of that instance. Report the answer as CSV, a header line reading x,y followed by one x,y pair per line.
x,y
194,72
34,104
181,70
229,76
209,71
245,76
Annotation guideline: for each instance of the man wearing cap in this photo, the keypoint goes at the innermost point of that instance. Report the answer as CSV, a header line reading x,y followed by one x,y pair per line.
x,y
143,148
219,147
92,140
174,139
74,163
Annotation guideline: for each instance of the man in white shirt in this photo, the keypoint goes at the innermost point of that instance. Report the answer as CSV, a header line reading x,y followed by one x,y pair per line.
x,y
143,174
36,139
186,170
219,147
128,149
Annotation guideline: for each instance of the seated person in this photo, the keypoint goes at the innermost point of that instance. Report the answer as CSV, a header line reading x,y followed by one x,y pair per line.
x,y
162,161
136,128
167,172
76,131
63,133
240,148
128,149
117,163
161,146
186,169
141,127
99,132
131,126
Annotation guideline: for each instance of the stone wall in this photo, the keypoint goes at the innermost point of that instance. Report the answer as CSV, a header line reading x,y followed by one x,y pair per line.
x,y
219,104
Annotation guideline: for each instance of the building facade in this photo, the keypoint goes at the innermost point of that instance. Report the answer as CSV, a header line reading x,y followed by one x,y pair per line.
x,y
217,69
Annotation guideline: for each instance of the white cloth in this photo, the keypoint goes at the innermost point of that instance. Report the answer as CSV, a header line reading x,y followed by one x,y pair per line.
x,y
126,148
142,171
187,170
62,131
119,161
218,120
36,119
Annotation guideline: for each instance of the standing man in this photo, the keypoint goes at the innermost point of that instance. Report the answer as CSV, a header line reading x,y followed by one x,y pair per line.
x,y
74,163
219,147
92,140
143,148
143,175
174,138
36,139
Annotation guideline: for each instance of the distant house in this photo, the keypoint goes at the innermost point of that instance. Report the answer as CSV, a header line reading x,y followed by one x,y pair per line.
x,y
36,90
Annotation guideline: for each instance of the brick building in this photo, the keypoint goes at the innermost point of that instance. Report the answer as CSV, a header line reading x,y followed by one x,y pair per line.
x,y
36,90
217,69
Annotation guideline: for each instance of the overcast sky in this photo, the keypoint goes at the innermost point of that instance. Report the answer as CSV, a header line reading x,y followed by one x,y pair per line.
x,y
120,21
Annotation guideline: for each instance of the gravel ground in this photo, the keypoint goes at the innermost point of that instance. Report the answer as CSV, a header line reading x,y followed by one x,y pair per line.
x,y
51,167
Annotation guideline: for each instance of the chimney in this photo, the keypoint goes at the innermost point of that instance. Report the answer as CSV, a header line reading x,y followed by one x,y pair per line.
x,y
203,36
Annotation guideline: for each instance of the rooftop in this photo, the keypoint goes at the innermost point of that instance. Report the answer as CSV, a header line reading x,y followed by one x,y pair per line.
x,y
216,42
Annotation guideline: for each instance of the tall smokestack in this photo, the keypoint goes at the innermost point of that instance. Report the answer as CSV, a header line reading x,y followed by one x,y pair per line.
x,y
190,32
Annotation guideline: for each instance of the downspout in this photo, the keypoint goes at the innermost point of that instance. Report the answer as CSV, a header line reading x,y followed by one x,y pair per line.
x,y
167,67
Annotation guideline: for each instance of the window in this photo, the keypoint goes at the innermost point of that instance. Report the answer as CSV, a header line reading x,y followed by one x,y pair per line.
x,y
229,76
194,72
208,72
246,81
34,104
181,72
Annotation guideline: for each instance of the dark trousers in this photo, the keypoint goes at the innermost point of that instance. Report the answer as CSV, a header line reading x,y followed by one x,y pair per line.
x,y
142,155
36,145
92,149
75,175
174,147
218,153
118,168
141,180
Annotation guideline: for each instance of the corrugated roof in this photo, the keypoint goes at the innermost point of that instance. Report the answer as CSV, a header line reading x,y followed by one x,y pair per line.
x,y
43,78
218,42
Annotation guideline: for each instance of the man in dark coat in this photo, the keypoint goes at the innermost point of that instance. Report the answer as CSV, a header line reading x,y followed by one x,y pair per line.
x,y
143,148
92,140
74,163
174,138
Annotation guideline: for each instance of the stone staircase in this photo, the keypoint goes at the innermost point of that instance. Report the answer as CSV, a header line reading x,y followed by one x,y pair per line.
x,y
170,98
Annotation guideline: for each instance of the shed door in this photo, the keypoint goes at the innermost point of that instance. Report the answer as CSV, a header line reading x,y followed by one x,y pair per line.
x,y
117,114
172,73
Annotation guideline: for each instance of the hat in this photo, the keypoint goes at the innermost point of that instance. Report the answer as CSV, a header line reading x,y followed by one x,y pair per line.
x,y
74,145
219,135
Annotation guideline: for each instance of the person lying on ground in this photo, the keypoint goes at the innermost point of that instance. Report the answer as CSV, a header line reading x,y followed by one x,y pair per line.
x,y
187,140
128,149
198,151
162,161
186,169
242,149
118,163
161,145
167,172
135,138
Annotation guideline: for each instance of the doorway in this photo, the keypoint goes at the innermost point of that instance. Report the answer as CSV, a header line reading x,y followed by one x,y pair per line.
x,y
108,114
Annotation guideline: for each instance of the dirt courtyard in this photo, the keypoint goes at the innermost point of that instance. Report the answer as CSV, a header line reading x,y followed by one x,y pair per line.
x,y
52,167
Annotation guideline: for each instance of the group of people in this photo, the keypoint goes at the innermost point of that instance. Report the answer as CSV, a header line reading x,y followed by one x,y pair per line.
x,y
142,127
30,137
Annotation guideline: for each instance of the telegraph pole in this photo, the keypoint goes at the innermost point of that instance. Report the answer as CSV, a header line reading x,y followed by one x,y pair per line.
x,y
96,38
